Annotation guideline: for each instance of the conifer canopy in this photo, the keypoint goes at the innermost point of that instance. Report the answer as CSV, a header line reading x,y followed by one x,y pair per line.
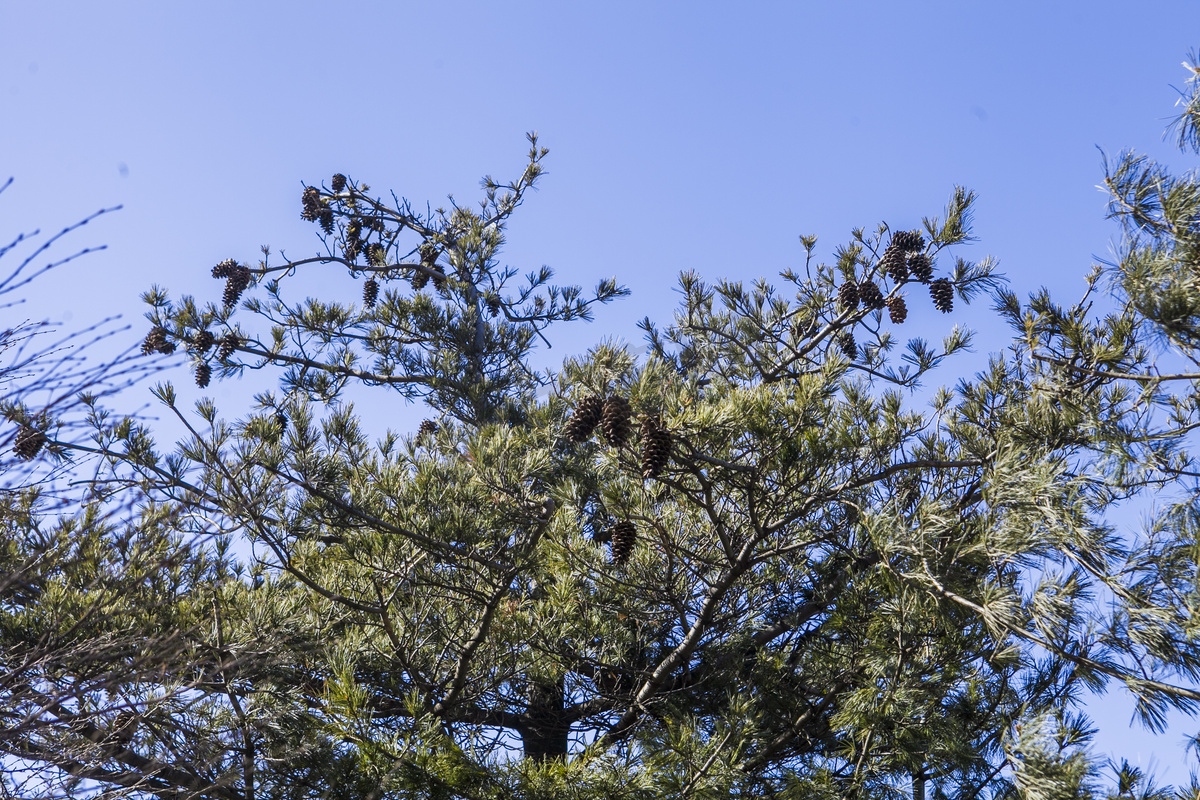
x,y
752,563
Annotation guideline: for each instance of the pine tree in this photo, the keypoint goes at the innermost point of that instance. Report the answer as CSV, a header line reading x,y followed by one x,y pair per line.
x,y
830,592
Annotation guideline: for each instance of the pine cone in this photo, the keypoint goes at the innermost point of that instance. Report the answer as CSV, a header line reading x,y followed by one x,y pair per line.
x,y
942,293
893,263
376,254
656,446
235,284
493,305
156,342
908,490
419,279
427,428
624,537
338,183
312,204
908,241
353,243
429,254
846,342
848,295
585,419
203,341
804,326
615,422
897,309
281,420
921,266
224,269
326,220
28,443
229,343
203,374
870,295
124,728
370,293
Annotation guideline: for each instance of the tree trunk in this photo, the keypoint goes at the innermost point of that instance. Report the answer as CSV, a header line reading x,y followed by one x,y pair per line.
x,y
545,729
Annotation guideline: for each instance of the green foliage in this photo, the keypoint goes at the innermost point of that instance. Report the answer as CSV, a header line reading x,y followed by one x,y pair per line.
x,y
832,590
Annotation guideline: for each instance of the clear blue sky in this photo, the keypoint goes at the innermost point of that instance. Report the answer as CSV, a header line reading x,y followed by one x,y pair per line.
x,y
682,136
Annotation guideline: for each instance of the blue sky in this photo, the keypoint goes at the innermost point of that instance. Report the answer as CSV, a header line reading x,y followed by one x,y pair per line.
x,y
682,136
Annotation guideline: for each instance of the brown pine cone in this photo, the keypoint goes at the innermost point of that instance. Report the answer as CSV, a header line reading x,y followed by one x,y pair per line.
x,y
624,537
897,309
908,241
312,204
353,244
203,374
376,254
28,443
656,446
325,218
224,269
845,341
942,293
493,305
429,254
281,420
229,343
235,284
893,263
908,490
427,428
585,419
616,421
203,341
870,295
848,295
921,266
338,183
370,293
156,342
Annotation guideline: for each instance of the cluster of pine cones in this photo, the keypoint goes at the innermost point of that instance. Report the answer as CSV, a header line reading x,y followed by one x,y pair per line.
x,y
904,258
317,209
420,277
614,416
201,343
237,278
